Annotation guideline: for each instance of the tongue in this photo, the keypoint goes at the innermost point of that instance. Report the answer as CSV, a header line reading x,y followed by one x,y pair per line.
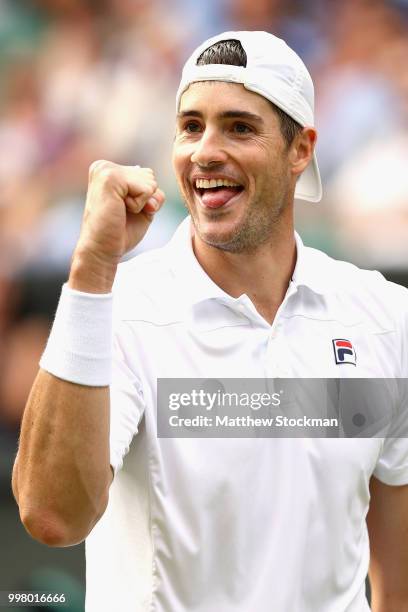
x,y
214,198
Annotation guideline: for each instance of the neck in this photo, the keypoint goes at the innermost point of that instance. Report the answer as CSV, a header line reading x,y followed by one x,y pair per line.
x,y
262,274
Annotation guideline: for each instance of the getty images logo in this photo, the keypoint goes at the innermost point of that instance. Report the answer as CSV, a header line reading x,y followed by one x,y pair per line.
x,y
344,351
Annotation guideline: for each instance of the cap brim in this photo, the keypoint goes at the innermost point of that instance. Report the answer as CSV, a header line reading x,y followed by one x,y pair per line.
x,y
309,186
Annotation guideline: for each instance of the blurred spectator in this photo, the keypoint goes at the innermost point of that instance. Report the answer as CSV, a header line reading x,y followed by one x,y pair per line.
x,y
24,347
355,100
363,164
370,198
299,23
361,110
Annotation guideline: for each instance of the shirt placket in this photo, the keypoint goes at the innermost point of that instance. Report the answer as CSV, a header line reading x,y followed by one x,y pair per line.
x,y
277,358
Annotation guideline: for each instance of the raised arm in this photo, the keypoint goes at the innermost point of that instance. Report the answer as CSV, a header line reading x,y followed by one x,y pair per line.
x,y
61,475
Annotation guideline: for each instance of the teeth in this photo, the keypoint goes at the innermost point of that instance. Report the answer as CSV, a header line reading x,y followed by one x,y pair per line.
x,y
205,184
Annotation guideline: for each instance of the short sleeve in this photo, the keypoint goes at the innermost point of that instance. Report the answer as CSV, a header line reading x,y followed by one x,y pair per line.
x,y
392,465
126,401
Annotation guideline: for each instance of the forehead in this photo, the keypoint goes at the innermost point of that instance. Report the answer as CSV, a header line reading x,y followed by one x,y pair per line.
x,y
219,95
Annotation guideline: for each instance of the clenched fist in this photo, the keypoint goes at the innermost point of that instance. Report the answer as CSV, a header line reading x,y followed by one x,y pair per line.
x,y
120,205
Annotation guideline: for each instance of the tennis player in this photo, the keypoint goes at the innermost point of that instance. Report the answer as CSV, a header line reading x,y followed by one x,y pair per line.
x,y
195,522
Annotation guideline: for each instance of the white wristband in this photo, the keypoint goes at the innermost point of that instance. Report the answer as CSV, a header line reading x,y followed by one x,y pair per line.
x,y
79,348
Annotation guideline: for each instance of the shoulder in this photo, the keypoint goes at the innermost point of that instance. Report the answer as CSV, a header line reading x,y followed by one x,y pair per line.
x,y
367,292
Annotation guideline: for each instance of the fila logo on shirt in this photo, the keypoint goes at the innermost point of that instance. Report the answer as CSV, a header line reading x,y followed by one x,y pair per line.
x,y
344,351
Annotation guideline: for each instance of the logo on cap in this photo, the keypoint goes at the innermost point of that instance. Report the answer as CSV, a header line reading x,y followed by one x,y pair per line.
x,y
344,351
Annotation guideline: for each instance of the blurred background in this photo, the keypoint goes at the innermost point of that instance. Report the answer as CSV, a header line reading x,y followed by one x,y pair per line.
x,y
88,79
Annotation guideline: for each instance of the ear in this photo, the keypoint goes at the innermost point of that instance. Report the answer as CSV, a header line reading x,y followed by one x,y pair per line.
x,y
301,150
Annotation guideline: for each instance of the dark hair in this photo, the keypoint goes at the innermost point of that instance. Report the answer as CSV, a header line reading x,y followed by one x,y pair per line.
x,y
231,52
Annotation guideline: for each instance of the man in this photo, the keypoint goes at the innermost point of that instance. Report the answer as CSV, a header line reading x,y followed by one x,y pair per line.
x,y
212,524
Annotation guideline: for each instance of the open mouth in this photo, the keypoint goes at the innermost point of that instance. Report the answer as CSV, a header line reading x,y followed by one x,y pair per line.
x,y
215,193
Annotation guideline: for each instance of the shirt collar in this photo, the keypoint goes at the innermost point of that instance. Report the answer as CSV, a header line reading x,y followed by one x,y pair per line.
x,y
197,286
311,269
194,283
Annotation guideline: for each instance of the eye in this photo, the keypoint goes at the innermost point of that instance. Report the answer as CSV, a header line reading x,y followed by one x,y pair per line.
x,y
191,127
242,128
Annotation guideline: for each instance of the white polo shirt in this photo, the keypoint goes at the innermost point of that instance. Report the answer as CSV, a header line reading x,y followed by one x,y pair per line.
x,y
241,524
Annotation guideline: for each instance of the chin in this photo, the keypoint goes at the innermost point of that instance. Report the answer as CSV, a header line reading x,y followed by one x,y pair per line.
x,y
212,234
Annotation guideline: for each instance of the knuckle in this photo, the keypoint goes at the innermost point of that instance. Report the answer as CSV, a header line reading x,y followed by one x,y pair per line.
x,y
131,203
106,175
93,168
101,168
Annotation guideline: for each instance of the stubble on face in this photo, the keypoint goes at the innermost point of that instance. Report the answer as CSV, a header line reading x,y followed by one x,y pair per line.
x,y
270,195
258,226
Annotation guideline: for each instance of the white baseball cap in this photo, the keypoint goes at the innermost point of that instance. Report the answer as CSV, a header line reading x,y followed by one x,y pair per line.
x,y
273,71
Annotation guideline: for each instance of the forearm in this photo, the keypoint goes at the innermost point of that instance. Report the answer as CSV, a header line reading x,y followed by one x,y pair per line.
x,y
387,594
388,604
62,473
387,526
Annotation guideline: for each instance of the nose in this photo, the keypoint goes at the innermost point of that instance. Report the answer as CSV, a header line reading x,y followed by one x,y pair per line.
x,y
209,149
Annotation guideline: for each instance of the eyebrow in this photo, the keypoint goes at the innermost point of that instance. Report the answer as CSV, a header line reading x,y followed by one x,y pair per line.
x,y
231,114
